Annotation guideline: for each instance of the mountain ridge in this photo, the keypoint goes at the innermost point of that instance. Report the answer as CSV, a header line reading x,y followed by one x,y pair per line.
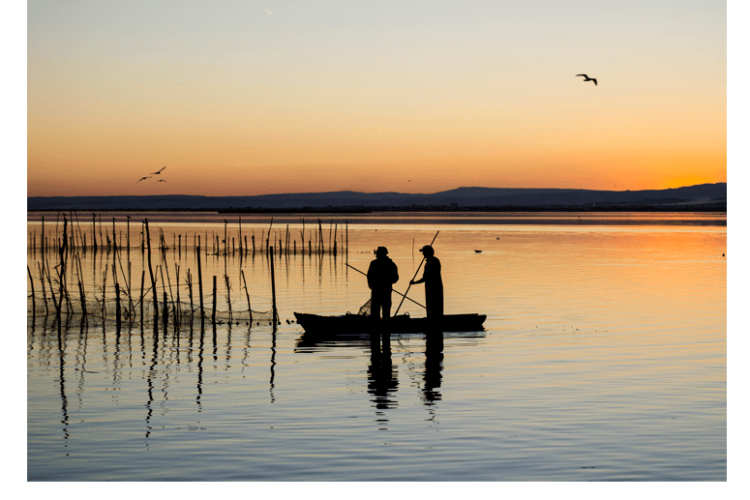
x,y
459,198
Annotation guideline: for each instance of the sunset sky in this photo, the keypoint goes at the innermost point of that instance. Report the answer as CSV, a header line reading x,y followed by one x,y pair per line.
x,y
249,97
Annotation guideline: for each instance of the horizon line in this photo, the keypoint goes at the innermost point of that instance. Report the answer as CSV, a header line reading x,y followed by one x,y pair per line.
x,y
373,192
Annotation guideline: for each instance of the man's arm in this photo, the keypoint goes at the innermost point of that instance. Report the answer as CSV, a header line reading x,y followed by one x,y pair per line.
x,y
369,275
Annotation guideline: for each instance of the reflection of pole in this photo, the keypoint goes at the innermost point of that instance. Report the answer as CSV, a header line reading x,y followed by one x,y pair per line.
x,y
273,291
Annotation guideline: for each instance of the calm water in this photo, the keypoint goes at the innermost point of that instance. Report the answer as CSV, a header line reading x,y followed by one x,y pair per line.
x,y
603,358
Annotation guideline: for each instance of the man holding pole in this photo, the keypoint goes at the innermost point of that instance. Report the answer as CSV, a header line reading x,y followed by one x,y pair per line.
x,y
381,276
433,283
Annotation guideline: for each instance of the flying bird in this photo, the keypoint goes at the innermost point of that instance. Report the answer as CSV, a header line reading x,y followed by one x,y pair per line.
x,y
585,79
142,179
158,171
160,180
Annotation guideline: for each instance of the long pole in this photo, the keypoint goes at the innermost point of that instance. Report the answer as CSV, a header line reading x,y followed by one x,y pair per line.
x,y
118,311
143,276
415,275
200,280
213,310
273,291
360,272
33,296
151,271
83,295
247,294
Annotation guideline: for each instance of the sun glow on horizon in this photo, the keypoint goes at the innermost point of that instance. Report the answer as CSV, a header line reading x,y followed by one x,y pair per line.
x,y
345,97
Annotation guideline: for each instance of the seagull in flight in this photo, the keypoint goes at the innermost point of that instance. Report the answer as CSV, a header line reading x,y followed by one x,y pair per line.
x,y
585,79
142,179
158,171
160,180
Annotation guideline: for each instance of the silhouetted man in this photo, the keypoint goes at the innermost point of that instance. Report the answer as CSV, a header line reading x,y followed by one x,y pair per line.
x,y
433,283
381,276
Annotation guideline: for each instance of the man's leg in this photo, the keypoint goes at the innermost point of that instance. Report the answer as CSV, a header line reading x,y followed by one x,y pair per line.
x,y
387,307
375,306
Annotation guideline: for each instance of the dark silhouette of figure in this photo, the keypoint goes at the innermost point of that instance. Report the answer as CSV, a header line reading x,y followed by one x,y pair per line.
x,y
433,366
382,377
433,283
381,276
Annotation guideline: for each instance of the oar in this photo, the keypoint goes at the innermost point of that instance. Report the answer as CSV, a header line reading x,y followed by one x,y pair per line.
x,y
404,296
415,275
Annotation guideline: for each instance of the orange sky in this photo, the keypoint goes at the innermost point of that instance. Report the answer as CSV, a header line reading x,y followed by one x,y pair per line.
x,y
246,98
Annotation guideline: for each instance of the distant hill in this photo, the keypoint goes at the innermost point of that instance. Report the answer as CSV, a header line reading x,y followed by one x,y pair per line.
x,y
465,198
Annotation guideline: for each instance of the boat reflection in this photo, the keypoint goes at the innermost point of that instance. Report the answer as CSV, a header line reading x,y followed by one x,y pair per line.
x,y
382,375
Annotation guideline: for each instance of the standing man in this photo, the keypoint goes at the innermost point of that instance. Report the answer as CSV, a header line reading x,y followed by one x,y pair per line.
x,y
433,283
381,276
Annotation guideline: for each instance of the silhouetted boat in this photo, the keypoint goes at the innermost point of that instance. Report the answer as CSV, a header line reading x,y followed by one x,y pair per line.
x,y
355,323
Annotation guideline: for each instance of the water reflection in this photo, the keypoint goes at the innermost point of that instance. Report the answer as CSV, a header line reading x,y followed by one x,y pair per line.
x,y
382,377
162,354
433,368
650,307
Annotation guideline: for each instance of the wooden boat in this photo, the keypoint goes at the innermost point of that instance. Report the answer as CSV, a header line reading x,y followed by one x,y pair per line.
x,y
355,323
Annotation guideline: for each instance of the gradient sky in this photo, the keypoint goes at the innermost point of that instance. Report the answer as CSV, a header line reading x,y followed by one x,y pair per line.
x,y
247,97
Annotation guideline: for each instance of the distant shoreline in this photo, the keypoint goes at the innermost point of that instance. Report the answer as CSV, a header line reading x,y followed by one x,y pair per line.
x,y
706,207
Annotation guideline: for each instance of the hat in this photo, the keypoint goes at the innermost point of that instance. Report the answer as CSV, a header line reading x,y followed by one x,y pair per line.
x,y
426,247
381,251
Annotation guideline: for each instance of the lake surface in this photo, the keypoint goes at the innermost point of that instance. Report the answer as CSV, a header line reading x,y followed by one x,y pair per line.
x,y
603,358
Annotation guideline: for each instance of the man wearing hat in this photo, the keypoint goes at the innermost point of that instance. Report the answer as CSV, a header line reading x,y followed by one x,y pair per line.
x,y
433,283
381,276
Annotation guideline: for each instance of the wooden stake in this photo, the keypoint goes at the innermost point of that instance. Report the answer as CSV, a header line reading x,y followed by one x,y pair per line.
x,y
143,279
84,312
273,290
190,293
165,312
247,294
213,309
151,271
44,289
200,280
229,300
177,303
104,293
320,237
33,296
117,306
